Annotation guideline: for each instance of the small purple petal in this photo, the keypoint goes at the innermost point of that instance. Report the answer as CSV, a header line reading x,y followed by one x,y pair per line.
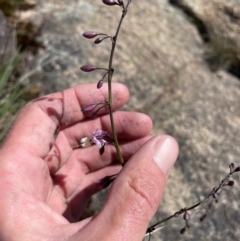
x,y
88,68
100,138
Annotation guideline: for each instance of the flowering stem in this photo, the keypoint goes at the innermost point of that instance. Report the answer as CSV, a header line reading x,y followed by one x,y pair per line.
x,y
110,74
212,194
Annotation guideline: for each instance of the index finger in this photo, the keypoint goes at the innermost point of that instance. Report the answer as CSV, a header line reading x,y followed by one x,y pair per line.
x,y
35,128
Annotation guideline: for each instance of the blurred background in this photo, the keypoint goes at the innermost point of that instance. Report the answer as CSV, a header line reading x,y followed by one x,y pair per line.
x,y
181,62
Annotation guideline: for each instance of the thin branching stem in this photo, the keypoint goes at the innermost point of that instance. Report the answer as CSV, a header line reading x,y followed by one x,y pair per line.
x,y
223,183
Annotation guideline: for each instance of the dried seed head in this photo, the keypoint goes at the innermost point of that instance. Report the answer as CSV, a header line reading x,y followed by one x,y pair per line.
x,y
87,68
90,34
109,2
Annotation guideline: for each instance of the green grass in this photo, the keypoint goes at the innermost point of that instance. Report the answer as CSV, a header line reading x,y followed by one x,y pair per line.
x,y
10,95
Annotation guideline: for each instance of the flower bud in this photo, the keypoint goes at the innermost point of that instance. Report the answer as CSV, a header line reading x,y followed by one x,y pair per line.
x,y
182,231
100,83
109,2
230,183
186,216
88,108
90,34
176,214
94,115
203,217
215,195
87,68
237,169
99,40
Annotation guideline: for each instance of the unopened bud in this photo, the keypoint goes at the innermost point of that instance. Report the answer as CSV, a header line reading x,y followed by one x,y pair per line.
x,y
230,183
100,83
214,195
176,214
94,115
203,217
237,169
109,2
99,40
88,108
182,231
87,68
186,216
90,34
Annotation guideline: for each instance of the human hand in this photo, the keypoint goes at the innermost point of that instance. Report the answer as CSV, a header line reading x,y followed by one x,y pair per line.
x,y
45,181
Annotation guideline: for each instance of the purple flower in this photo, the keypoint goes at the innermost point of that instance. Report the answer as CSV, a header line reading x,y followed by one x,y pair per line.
x,y
100,138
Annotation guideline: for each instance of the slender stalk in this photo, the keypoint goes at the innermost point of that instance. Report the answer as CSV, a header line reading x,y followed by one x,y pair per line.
x,y
223,183
110,74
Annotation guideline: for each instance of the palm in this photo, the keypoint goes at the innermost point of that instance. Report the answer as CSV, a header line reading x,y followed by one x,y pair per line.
x,y
45,177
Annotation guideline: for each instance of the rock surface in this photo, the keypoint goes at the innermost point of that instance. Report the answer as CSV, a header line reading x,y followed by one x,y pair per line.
x,y
7,41
161,58
222,21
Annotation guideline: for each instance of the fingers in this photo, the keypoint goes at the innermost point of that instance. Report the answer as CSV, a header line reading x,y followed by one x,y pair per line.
x,y
128,126
89,186
135,194
37,124
83,165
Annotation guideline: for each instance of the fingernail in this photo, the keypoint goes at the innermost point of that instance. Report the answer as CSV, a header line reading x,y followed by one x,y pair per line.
x,y
165,154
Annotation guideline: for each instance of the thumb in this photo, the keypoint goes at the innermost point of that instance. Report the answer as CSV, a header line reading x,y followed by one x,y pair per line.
x,y
135,194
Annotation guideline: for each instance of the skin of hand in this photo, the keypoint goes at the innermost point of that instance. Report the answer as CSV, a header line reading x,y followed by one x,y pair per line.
x,y
46,182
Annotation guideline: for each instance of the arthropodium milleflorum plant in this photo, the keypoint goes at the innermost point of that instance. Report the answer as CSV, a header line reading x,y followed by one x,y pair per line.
x,y
101,137
107,72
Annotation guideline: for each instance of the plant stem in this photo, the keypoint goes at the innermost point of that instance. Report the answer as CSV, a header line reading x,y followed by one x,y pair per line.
x,y
110,74
181,211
